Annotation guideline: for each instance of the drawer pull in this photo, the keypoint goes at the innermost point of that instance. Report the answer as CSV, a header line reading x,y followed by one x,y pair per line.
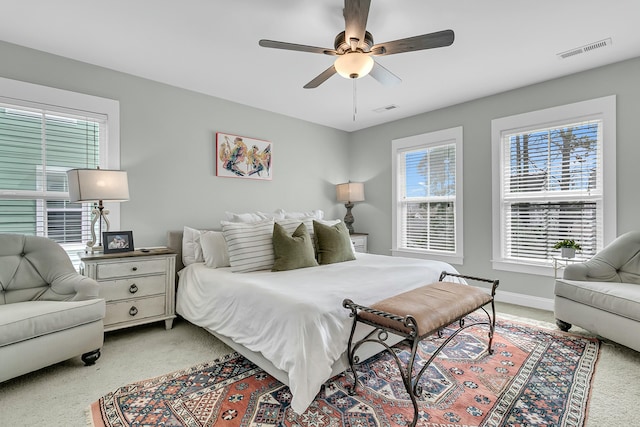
x,y
133,289
133,311
135,269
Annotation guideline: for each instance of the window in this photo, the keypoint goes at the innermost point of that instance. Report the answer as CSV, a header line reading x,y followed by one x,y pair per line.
x,y
427,190
554,179
43,133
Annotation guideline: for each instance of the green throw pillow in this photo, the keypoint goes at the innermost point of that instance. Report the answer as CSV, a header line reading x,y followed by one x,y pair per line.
x,y
334,243
292,251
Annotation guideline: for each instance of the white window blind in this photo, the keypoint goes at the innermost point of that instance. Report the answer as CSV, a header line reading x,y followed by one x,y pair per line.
x,y
552,190
427,182
427,198
37,146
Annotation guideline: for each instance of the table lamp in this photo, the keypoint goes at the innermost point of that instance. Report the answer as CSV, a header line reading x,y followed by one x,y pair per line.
x,y
348,193
97,185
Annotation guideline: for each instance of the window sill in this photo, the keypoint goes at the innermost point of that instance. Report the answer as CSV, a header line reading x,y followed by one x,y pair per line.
x,y
451,259
520,267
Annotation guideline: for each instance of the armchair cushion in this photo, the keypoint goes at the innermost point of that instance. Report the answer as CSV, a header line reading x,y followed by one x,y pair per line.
x,y
621,299
23,321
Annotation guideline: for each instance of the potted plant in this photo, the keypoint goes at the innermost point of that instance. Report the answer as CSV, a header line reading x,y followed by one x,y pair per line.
x,y
568,248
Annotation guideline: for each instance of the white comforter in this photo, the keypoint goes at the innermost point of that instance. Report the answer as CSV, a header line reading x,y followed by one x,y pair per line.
x,y
295,318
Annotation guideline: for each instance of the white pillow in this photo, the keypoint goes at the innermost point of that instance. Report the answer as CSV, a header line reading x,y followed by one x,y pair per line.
x,y
214,249
317,214
243,217
191,250
278,214
250,245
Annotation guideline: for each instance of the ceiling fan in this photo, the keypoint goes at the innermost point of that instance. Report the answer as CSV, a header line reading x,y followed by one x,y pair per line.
x,y
354,47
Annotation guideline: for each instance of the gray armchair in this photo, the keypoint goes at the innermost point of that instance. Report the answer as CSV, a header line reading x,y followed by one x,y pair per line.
x,y
48,312
602,295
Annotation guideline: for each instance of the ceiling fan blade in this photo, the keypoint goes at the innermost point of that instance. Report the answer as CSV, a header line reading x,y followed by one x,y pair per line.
x,y
425,41
355,13
322,77
383,75
298,47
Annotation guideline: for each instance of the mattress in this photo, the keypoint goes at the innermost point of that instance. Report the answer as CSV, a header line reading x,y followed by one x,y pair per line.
x,y
295,319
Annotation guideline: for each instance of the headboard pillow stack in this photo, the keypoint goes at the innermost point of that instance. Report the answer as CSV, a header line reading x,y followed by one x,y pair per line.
x,y
260,241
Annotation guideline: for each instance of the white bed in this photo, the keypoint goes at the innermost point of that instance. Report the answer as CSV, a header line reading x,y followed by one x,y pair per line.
x,y
292,323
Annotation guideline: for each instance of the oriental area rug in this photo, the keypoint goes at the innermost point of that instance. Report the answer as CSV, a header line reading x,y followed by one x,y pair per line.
x,y
535,377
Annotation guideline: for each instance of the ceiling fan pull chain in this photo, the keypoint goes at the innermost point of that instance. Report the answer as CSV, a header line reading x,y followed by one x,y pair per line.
x,y
355,100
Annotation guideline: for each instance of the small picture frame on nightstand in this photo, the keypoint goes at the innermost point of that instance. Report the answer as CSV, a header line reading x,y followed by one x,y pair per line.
x,y
117,241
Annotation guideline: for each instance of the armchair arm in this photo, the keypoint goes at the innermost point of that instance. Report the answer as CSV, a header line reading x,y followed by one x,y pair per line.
x,y
77,286
594,270
578,271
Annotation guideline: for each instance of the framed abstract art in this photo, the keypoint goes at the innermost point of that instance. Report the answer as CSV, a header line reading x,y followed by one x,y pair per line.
x,y
242,157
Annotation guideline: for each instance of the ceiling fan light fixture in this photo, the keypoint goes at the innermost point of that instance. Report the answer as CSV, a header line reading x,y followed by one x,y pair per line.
x,y
353,65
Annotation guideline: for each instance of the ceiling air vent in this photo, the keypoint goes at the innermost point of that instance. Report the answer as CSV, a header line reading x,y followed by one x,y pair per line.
x,y
387,108
585,49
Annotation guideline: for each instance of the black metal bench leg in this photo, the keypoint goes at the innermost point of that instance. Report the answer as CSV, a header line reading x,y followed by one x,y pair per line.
x,y
350,355
492,325
411,389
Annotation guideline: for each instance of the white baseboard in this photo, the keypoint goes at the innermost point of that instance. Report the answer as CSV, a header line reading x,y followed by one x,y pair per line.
x,y
523,300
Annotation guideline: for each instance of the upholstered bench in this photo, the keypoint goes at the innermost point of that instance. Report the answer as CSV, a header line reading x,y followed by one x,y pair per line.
x,y
417,314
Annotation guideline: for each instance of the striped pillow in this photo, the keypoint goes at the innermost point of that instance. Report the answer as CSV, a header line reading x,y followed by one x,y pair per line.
x,y
250,245
290,224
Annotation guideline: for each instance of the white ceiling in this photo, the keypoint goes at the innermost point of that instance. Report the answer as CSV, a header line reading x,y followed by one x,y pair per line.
x,y
211,46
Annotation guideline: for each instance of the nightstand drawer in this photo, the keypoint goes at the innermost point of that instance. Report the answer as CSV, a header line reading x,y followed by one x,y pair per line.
x,y
130,268
113,290
126,311
359,241
360,248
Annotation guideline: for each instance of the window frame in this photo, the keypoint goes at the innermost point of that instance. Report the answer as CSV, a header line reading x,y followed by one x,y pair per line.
x,y
428,140
603,109
29,95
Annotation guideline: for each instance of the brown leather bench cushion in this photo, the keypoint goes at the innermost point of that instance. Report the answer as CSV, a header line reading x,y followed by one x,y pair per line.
x,y
433,306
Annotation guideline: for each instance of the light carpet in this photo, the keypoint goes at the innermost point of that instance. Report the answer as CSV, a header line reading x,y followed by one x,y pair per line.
x,y
535,377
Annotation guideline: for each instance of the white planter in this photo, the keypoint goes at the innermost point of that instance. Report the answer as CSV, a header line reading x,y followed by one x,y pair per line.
x,y
568,252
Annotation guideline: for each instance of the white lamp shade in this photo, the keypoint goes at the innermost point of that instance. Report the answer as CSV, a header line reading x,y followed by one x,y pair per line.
x,y
353,65
91,185
350,192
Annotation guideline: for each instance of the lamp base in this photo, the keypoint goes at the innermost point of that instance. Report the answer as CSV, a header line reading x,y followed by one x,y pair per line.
x,y
93,249
99,215
348,218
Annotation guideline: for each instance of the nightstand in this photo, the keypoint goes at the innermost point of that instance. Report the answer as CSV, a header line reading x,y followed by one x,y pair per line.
x,y
138,287
359,241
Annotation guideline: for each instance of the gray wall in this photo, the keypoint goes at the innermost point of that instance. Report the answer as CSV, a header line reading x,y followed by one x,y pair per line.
x,y
373,147
168,148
